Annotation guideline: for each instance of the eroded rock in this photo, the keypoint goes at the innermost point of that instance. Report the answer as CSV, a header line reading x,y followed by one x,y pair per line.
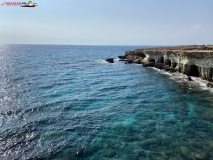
x,y
148,64
209,85
122,57
110,60
159,65
138,61
167,68
189,78
189,60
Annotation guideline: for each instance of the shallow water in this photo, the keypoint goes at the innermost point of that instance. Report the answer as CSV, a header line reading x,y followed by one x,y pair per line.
x,y
100,110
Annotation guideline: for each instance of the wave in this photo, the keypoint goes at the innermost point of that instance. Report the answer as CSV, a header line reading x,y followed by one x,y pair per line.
x,y
116,59
101,61
197,83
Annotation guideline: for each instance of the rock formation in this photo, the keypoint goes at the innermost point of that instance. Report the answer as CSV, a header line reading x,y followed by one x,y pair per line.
x,y
110,60
192,61
189,78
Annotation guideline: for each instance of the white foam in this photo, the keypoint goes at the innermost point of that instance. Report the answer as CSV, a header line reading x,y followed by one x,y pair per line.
x,y
116,59
161,71
136,64
202,83
197,83
101,61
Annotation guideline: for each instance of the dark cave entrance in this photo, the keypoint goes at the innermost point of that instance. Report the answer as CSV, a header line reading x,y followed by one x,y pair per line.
x,y
142,55
194,71
160,60
152,60
168,62
174,65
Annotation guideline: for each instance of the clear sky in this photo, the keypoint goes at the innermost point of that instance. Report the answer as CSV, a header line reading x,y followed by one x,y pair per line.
x,y
108,22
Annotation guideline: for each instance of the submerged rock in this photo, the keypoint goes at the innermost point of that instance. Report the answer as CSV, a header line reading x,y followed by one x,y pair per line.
x,y
110,60
109,153
158,156
89,150
21,134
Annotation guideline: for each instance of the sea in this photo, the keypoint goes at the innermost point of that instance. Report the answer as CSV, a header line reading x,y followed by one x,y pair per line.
x,y
65,102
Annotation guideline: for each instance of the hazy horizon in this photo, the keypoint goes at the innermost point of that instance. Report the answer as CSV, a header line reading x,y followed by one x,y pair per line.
x,y
153,22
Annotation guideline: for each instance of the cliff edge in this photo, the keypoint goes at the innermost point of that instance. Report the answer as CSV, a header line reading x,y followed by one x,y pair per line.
x,y
190,60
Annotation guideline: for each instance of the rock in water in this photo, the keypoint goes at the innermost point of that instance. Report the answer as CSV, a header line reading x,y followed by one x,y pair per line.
x,y
138,61
148,64
110,60
209,85
167,68
159,65
122,57
189,78
9,112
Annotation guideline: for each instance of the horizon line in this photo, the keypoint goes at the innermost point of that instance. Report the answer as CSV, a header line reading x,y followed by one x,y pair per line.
x,y
107,44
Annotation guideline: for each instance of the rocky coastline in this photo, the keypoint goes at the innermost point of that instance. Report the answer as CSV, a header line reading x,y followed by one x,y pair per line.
x,y
190,60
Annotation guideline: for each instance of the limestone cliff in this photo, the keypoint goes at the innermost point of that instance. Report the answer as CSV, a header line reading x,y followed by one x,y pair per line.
x,y
193,61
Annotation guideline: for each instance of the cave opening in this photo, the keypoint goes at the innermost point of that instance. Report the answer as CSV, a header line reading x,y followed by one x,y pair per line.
x,y
174,65
152,60
194,71
142,55
168,62
160,60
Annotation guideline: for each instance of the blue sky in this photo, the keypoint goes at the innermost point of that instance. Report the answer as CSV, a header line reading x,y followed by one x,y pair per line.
x,y
108,22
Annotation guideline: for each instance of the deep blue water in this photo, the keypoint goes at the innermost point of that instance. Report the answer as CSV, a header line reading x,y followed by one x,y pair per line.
x,y
113,111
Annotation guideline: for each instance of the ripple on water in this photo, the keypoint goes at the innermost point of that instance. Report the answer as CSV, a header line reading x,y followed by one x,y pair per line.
x,y
98,110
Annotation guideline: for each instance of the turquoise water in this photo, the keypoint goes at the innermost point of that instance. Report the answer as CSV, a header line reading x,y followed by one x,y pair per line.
x,y
97,110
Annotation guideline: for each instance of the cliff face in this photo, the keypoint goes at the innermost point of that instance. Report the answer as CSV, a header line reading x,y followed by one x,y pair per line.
x,y
191,62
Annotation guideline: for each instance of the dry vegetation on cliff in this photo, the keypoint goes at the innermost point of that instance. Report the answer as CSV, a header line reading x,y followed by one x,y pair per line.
x,y
196,48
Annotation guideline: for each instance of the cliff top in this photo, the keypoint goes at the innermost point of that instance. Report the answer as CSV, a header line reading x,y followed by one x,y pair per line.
x,y
195,48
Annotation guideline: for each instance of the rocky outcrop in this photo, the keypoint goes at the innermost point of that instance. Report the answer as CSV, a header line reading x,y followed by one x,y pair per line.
x,y
110,60
189,78
209,85
148,64
138,61
122,57
191,61
132,55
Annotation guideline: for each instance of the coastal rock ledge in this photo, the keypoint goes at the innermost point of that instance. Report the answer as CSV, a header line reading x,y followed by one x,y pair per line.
x,y
190,60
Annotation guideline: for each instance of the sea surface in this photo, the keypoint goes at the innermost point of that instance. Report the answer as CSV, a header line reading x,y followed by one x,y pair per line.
x,y
66,102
